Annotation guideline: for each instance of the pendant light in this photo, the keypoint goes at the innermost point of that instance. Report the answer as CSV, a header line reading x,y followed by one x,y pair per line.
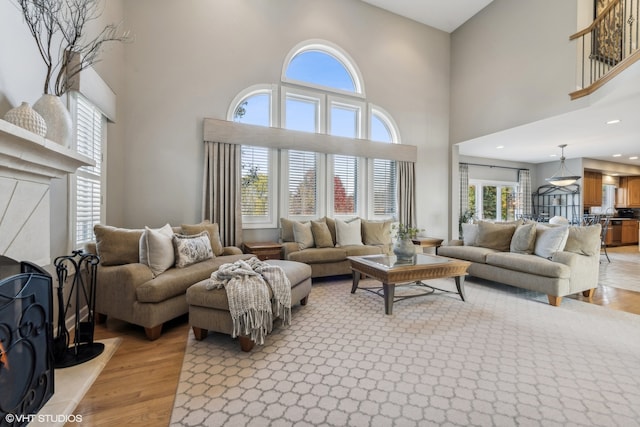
x,y
563,177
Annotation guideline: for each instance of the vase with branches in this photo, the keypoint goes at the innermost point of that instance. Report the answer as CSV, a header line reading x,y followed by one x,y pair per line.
x,y
404,248
58,28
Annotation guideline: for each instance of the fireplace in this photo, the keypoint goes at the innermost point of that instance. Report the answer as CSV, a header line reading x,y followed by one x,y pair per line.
x,y
26,340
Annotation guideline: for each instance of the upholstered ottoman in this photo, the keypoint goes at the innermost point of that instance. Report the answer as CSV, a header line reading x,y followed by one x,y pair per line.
x,y
209,309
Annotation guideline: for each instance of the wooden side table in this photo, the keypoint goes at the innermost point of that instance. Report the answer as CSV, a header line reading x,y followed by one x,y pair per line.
x,y
264,250
427,242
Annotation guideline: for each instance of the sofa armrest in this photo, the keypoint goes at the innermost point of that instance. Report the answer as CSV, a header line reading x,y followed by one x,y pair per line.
x,y
116,286
584,269
289,247
231,250
454,242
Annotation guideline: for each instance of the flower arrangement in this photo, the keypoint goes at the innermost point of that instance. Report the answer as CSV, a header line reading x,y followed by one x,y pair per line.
x,y
405,231
60,24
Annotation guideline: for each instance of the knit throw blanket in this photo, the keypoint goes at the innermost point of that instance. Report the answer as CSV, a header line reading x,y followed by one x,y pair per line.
x,y
247,284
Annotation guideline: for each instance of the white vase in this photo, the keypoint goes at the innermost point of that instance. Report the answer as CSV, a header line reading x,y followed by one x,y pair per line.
x,y
57,117
27,118
404,248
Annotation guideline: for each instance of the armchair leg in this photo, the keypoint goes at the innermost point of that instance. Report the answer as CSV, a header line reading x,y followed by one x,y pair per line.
x,y
200,333
153,333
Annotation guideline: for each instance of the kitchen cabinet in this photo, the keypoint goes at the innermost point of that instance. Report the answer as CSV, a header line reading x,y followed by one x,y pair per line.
x,y
629,232
633,191
621,193
592,188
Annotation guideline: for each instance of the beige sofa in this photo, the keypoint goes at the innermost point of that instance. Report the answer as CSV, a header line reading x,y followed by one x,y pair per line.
x,y
322,249
128,290
556,261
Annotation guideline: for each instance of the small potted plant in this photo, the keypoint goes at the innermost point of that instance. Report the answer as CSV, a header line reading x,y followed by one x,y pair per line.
x,y
404,247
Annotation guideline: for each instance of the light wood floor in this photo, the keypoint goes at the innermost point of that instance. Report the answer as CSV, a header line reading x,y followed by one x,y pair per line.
x,y
139,383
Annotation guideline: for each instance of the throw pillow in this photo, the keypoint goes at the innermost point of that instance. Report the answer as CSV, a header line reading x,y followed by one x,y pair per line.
x,y
495,235
584,240
144,257
117,246
348,233
211,228
159,249
331,223
191,249
524,239
302,235
550,240
286,230
321,234
470,234
376,232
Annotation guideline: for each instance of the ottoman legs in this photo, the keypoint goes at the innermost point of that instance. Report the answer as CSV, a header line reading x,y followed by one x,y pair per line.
x,y
245,342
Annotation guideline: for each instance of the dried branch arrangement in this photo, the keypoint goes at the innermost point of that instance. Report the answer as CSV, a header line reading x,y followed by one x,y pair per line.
x,y
58,29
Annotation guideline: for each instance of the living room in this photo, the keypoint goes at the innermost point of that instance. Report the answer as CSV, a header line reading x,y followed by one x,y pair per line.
x,y
189,60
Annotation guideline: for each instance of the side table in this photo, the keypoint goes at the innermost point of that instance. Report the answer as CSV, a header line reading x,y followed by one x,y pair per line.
x,y
427,242
264,250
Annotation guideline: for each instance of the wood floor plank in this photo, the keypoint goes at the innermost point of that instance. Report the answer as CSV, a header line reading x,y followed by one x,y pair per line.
x,y
138,385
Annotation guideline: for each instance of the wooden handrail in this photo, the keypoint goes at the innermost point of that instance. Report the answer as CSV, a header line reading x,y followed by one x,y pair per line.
x,y
620,67
596,21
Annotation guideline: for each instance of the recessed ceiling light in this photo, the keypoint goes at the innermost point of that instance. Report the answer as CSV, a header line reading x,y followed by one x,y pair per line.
x,y
499,147
617,155
613,122
633,158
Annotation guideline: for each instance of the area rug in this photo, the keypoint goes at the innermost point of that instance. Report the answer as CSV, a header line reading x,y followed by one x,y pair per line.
x,y
504,357
71,384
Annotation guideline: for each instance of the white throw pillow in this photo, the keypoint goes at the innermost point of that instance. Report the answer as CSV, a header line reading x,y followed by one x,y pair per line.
x,y
550,240
143,256
348,233
160,252
469,234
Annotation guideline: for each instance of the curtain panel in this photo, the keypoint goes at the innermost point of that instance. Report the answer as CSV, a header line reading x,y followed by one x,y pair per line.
x,y
463,171
406,193
222,190
524,197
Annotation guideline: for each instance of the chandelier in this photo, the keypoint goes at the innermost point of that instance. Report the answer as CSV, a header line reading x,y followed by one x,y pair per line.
x,y
563,177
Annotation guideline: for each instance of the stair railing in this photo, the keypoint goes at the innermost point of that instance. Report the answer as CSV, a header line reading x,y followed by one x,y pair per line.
x,y
609,45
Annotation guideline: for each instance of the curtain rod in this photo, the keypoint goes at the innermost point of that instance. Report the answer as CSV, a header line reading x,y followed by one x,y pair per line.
x,y
494,166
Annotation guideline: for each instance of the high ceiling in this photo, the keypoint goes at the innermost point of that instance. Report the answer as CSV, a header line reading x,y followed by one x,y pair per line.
x,y
584,131
445,15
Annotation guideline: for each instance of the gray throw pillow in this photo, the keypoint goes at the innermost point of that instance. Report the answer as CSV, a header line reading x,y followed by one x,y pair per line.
x,y
302,235
192,249
524,239
550,240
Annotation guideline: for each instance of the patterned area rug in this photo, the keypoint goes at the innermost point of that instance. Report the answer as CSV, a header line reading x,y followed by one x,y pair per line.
x,y
504,357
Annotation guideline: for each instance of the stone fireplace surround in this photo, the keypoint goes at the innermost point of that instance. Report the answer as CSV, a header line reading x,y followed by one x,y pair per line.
x,y
28,163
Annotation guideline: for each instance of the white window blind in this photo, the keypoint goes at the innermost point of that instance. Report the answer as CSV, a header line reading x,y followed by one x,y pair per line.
x,y
345,185
255,183
90,128
303,192
384,187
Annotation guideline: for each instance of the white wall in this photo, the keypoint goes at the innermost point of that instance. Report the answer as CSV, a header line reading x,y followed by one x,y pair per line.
x,y
512,64
191,58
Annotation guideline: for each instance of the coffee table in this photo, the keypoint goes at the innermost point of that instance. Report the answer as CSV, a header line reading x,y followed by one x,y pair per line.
x,y
393,272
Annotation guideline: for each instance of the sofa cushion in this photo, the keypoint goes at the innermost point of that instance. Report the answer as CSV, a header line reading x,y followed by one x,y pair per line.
x,y
321,234
191,249
348,233
524,239
157,246
117,246
467,253
584,240
359,250
495,235
302,235
175,281
550,240
211,228
319,255
331,224
376,232
529,264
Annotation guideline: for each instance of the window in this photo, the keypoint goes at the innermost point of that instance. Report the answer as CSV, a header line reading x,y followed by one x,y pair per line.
x,y
91,130
493,200
321,91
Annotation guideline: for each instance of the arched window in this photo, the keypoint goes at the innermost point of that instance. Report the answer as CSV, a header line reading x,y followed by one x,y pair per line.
x,y
321,91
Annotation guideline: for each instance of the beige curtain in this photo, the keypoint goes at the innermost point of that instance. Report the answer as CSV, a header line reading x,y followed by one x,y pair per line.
x,y
222,197
406,193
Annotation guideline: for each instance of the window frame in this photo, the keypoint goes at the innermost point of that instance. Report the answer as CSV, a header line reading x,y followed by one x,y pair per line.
x,y
479,184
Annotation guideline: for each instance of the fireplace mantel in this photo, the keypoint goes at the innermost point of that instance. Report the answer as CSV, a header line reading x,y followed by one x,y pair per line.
x,y
28,163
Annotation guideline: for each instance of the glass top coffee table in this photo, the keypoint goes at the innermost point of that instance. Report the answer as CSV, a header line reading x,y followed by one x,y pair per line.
x,y
393,272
